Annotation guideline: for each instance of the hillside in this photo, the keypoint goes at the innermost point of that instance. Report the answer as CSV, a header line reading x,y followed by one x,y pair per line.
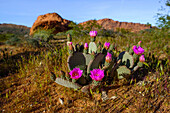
x,y
14,29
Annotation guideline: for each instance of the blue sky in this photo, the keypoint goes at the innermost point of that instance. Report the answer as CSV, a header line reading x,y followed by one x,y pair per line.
x,y
25,12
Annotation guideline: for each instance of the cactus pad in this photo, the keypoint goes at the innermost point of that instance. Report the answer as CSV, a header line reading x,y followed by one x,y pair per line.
x,y
131,51
140,64
127,59
94,64
123,72
82,80
76,60
77,47
109,67
88,58
111,48
67,83
92,47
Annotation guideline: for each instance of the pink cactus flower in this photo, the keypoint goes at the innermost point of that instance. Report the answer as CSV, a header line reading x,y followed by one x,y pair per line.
x,y
108,57
93,33
107,45
138,50
97,74
85,46
70,43
142,58
76,73
134,47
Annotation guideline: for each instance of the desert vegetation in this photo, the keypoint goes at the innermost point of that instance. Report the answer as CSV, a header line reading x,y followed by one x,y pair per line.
x,y
28,63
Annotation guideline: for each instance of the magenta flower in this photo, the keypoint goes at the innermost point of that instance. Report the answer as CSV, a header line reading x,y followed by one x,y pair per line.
x,y
107,45
134,47
97,74
76,73
70,43
138,50
142,58
93,33
85,46
108,57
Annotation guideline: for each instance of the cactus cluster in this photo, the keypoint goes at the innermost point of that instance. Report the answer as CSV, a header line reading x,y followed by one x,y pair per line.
x,y
98,64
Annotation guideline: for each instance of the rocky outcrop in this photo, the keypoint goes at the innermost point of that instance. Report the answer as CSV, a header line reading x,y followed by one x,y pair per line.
x,y
110,24
49,21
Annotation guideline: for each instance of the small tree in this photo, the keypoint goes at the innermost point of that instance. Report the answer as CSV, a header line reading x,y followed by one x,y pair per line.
x,y
163,17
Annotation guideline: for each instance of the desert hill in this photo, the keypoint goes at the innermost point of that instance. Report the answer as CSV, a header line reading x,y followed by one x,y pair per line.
x,y
110,24
14,29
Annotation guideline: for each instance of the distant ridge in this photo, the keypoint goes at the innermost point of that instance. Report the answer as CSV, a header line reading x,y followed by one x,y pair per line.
x,y
110,24
13,25
14,29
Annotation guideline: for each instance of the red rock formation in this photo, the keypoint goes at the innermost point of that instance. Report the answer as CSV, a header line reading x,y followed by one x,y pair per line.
x,y
49,21
110,24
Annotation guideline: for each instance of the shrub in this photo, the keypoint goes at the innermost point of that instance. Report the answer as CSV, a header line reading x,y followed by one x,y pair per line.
x,y
33,42
13,41
43,35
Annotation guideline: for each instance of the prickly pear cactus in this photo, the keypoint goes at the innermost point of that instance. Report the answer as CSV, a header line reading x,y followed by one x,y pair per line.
x,y
111,48
88,58
67,83
123,72
91,65
77,47
92,47
127,59
82,80
76,60
95,63
140,64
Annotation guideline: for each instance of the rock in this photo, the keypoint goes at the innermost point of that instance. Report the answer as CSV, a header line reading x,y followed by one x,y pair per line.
x,y
113,97
49,21
104,96
110,24
61,101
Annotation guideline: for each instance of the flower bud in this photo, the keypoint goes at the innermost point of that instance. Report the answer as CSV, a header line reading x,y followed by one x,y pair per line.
x,y
142,58
108,57
106,45
85,46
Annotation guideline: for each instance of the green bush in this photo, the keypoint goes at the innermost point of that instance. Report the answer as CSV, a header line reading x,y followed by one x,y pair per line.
x,y
13,41
33,42
5,37
43,35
